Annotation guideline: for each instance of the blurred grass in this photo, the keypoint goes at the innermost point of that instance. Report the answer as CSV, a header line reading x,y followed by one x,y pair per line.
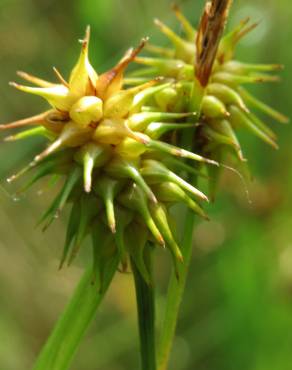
x,y
237,310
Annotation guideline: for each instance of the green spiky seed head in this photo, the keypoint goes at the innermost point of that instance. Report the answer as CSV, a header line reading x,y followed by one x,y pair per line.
x,y
105,142
116,146
207,79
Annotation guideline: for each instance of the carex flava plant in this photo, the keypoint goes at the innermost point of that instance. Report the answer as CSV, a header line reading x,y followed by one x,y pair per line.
x,y
124,148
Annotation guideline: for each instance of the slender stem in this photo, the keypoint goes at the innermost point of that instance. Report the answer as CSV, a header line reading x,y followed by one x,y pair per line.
x,y
175,293
208,38
146,316
61,346
176,287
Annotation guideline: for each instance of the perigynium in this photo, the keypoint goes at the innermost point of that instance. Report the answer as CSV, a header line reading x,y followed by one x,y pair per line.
x,y
114,144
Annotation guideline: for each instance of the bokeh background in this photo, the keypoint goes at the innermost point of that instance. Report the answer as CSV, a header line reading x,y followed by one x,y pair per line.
x,y
237,308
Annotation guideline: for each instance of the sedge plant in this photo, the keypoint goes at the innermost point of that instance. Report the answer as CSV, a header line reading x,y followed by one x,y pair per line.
x,y
124,148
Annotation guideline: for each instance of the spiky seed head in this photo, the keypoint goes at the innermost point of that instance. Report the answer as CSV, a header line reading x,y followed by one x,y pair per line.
x,y
116,146
104,140
212,84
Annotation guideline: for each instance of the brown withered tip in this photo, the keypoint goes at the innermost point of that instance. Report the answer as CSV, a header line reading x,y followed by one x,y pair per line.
x,y
133,52
113,228
161,241
211,27
144,41
279,67
9,138
13,84
86,38
22,74
158,23
212,162
115,75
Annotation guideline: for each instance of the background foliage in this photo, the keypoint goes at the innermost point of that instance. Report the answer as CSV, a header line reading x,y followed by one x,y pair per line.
x,y
237,309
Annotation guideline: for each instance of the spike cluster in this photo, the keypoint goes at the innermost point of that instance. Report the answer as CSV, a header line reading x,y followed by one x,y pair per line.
x,y
223,104
114,146
108,138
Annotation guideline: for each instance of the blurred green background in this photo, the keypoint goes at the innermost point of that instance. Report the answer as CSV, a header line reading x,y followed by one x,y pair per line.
x,y
237,308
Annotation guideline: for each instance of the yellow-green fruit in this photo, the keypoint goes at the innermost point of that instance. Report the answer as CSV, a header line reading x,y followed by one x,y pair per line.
x,y
88,109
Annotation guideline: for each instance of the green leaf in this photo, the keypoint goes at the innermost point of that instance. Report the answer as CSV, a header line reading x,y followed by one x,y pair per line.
x,y
105,255
59,350
71,230
175,293
161,220
124,217
88,209
61,199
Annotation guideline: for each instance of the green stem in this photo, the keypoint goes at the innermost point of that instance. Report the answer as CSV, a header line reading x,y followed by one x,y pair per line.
x,y
61,346
146,316
176,287
175,294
